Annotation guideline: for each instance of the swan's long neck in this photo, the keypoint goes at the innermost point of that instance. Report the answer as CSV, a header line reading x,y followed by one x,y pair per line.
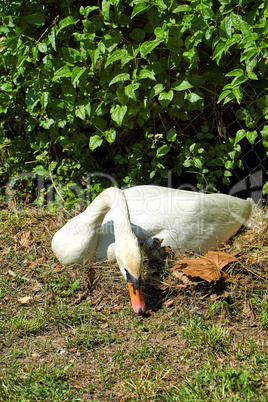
x,y
78,239
111,199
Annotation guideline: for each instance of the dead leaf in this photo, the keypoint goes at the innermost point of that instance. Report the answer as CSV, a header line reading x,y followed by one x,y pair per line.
x,y
25,238
169,303
91,277
25,299
38,261
247,310
207,267
180,275
216,297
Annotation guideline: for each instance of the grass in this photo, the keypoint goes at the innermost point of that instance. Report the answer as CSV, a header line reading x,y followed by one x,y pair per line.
x,y
70,344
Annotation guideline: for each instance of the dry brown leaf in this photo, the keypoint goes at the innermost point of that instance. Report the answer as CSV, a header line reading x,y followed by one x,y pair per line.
x,y
38,261
25,299
91,277
169,303
207,267
247,310
25,238
180,275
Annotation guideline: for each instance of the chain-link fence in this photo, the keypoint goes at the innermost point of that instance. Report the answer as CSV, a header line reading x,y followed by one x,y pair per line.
x,y
224,121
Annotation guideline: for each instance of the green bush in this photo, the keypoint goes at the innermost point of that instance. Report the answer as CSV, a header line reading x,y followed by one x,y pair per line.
x,y
101,88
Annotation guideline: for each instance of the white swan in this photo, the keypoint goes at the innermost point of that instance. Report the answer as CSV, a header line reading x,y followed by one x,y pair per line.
x,y
183,220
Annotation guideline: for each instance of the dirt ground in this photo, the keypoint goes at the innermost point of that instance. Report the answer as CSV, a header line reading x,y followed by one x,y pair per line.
x,y
79,318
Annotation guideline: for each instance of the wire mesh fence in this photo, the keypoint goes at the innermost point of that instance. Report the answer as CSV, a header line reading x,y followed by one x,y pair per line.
x,y
224,121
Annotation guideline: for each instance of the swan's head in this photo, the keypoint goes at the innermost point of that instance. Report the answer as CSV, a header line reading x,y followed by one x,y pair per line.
x,y
130,263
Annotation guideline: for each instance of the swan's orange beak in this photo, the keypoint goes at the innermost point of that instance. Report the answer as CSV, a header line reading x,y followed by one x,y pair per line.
x,y
137,300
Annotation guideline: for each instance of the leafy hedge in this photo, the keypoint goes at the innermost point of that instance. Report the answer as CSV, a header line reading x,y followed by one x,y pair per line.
x,y
88,88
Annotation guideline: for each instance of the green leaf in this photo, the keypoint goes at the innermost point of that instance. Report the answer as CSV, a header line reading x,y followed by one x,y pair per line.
x,y
76,74
61,72
35,19
139,8
120,78
88,10
80,112
172,134
235,73
157,89
223,95
162,151
181,85
118,113
52,38
146,74
105,5
265,188
44,99
66,22
149,46
48,123
264,131
42,47
182,8
165,98
236,21
219,50
198,163
251,136
137,34
115,56
238,94
240,134
110,135
31,98
193,97
95,141
130,90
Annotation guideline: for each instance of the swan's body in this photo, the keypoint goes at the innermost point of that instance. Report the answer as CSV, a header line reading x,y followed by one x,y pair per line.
x,y
183,220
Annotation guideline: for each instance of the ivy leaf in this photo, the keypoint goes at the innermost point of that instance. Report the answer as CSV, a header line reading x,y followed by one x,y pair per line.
x,y
265,188
80,112
148,46
31,98
165,98
137,34
66,22
61,72
157,89
118,113
120,78
35,19
110,135
162,151
172,134
146,74
193,97
238,94
52,38
42,47
240,134
115,56
130,90
235,73
182,8
76,74
95,141
181,85
251,136
139,8
223,95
